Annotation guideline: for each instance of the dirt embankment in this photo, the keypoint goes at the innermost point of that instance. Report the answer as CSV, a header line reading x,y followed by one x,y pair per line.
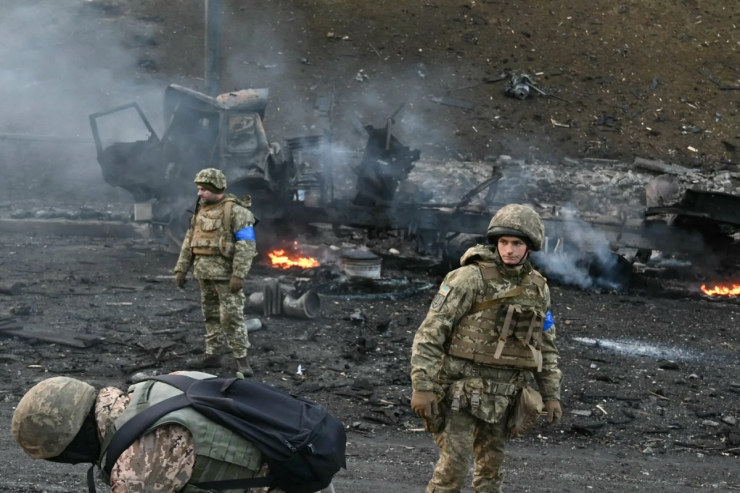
x,y
642,77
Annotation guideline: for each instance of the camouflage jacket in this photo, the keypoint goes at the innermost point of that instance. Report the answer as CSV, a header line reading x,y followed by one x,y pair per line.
x,y
431,365
217,267
159,462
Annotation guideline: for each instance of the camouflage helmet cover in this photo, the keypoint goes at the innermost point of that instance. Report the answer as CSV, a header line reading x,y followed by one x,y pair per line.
x,y
516,218
213,177
50,415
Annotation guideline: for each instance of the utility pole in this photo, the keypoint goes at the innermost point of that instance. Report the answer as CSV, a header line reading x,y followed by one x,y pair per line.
x,y
214,18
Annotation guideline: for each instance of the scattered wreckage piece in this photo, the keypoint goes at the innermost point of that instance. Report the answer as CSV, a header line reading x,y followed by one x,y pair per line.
x,y
81,341
710,213
385,163
11,289
519,85
10,324
722,87
661,167
277,299
446,101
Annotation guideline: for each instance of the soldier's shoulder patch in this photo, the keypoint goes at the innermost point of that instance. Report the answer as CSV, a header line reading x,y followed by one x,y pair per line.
x,y
440,297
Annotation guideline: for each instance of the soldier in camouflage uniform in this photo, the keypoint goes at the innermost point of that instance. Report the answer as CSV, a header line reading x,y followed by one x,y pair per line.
x,y
488,332
66,420
220,244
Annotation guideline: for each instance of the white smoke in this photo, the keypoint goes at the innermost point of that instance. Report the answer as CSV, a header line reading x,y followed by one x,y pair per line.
x,y
59,62
584,258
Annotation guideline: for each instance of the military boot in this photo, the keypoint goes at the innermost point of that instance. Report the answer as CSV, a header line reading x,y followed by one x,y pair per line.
x,y
205,361
243,369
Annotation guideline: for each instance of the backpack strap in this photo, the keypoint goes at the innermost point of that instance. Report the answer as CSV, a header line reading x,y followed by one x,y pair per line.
x,y
236,484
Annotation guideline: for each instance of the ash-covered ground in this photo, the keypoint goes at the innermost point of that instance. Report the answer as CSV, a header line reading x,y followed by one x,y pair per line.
x,y
652,384
651,396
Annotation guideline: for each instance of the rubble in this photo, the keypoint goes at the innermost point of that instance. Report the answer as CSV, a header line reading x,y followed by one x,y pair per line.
x,y
592,187
11,289
446,101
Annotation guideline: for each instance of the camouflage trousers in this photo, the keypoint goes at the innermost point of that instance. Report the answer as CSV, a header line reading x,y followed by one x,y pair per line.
x,y
463,438
224,314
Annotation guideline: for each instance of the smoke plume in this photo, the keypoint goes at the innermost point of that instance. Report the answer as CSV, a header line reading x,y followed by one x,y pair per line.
x,y
583,259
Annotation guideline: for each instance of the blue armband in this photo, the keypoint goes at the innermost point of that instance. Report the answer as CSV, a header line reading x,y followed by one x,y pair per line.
x,y
246,234
549,321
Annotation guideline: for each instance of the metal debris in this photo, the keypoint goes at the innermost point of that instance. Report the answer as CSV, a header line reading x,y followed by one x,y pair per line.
x,y
444,100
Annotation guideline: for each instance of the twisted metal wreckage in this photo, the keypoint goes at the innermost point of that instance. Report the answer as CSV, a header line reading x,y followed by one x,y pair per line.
x,y
293,185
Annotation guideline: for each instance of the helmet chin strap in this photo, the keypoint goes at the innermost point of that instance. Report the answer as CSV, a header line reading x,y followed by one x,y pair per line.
x,y
524,259
520,263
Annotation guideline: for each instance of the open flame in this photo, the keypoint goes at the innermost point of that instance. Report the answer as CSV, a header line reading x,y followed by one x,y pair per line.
x,y
733,290
282,260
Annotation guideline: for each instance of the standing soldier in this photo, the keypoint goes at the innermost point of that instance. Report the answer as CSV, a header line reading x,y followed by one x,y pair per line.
x,y
488,332
221,245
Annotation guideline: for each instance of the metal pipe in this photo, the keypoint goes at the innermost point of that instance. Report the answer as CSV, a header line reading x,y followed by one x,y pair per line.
x,y
214,17
307,306
256,302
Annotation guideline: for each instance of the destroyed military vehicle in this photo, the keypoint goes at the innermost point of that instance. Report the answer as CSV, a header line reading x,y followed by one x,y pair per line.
x,y
224,132
288,185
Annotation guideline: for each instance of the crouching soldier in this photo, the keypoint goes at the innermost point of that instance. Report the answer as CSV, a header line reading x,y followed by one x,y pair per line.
x,y
488,332
66,420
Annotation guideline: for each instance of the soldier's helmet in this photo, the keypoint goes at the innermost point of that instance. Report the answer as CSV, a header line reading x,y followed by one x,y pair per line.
x,y
213,177
50,415
518,220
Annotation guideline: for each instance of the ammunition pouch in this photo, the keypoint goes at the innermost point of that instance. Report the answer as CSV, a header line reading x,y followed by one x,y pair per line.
x,y
526,412
484,399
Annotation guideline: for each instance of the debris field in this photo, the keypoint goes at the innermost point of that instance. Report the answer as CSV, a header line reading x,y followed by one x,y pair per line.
x,y
575,102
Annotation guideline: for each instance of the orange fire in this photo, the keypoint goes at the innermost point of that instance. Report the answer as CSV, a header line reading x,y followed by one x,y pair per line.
x,y
281,260
733,290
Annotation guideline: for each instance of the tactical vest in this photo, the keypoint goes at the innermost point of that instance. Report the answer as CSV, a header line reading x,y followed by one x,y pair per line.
x,y
505,328
219,453
212,230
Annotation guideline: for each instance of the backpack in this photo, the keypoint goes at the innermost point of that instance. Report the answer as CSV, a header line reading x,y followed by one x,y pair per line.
x,y
303,444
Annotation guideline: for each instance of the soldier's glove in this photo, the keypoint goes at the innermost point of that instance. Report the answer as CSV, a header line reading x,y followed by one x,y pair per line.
x,y
554,413
236,284
424,404
180,279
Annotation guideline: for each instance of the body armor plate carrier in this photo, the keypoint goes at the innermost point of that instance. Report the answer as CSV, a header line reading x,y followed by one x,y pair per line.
x,y
212,230
505,329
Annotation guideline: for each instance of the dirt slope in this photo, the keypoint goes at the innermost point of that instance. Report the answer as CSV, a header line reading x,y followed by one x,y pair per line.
x,y
636,73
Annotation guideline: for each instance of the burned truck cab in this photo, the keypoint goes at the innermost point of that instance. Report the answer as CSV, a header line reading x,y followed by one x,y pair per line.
x,y
224,132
